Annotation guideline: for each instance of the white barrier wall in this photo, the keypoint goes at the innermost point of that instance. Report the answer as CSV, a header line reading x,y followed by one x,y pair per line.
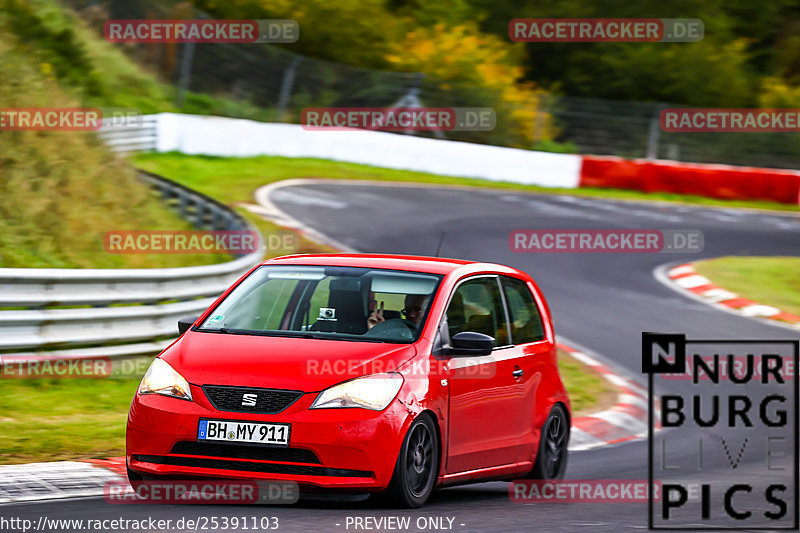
x,y
228,137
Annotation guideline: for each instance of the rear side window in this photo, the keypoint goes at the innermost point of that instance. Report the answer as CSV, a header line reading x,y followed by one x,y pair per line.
x,y
476,306
526,321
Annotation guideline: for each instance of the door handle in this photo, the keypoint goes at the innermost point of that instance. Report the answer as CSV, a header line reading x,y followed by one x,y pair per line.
x,y
518,373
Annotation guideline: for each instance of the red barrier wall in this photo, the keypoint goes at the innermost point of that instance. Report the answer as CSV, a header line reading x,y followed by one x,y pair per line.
x,y
714,181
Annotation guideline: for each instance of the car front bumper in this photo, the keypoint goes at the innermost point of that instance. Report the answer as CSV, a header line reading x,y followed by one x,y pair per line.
x,y
349,448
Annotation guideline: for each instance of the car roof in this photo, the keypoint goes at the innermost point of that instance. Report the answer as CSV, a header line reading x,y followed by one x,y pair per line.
x,y
416,263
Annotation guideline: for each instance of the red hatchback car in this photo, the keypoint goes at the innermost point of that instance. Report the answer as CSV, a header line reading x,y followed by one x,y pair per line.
x,y
366,373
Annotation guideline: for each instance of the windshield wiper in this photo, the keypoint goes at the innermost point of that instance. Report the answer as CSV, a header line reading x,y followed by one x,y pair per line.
x,y
293,334
226,331
230,331
311,335
352,338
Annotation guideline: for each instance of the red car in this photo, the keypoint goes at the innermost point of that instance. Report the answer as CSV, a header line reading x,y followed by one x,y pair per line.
x,y
366,373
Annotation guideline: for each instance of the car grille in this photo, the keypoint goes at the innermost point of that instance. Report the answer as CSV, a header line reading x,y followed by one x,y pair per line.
x,y
238,451
268,401
264,468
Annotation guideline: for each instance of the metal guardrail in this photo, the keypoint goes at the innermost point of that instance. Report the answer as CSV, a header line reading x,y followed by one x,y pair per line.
x,y
155,298
135,135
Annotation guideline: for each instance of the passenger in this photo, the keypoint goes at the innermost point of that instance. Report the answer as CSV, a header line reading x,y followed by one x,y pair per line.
x,y
415,306
413,311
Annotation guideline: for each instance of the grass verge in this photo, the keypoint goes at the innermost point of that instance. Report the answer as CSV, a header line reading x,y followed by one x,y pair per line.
x,y
588,390
234,179
60,191
61,419
72,419
767,280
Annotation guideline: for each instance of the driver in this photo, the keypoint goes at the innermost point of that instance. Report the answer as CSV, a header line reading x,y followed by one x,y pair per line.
x,y
413,311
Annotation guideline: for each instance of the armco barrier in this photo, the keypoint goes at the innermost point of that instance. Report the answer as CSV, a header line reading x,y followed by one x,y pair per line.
x,y
155,298
122,138
713,181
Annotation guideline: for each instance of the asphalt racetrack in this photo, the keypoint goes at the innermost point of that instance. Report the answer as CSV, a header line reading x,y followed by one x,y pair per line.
x,y
602,302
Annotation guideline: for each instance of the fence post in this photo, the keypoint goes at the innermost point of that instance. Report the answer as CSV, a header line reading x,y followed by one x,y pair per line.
x,y
654,133
185,72
286,87
543,104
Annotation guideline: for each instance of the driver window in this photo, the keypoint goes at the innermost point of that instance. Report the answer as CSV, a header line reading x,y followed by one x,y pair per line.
x,y
476,306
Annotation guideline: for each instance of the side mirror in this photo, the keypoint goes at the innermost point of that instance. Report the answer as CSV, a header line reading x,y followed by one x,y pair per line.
x,y
185,323
471,343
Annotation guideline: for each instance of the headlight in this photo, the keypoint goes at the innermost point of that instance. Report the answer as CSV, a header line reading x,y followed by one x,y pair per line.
x,y
370,392
161,378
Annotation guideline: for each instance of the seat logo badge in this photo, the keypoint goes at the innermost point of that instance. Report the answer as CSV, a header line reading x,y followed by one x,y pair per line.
x,y
249,400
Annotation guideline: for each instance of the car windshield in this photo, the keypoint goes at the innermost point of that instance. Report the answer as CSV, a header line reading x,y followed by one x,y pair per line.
x,y
330,302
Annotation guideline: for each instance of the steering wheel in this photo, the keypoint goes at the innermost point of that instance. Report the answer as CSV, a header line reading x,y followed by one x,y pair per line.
x,y
398,328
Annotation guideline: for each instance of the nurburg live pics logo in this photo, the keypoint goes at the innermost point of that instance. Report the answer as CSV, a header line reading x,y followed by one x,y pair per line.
x,y
726,457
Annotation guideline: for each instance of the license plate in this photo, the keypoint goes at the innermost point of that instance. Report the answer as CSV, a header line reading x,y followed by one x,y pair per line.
x,y
248,432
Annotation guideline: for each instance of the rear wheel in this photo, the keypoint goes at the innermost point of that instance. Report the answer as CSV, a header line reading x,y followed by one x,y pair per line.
x,y
417,465
551,461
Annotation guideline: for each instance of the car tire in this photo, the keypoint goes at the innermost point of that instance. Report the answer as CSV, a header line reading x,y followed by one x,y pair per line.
x,y
551,459
417,466
135,479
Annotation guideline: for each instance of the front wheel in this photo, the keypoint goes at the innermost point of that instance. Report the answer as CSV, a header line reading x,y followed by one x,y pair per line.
x,y
551,460
417,465
135,480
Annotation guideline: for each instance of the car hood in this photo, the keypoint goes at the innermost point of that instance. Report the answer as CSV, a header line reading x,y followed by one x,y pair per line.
x,y
309,365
